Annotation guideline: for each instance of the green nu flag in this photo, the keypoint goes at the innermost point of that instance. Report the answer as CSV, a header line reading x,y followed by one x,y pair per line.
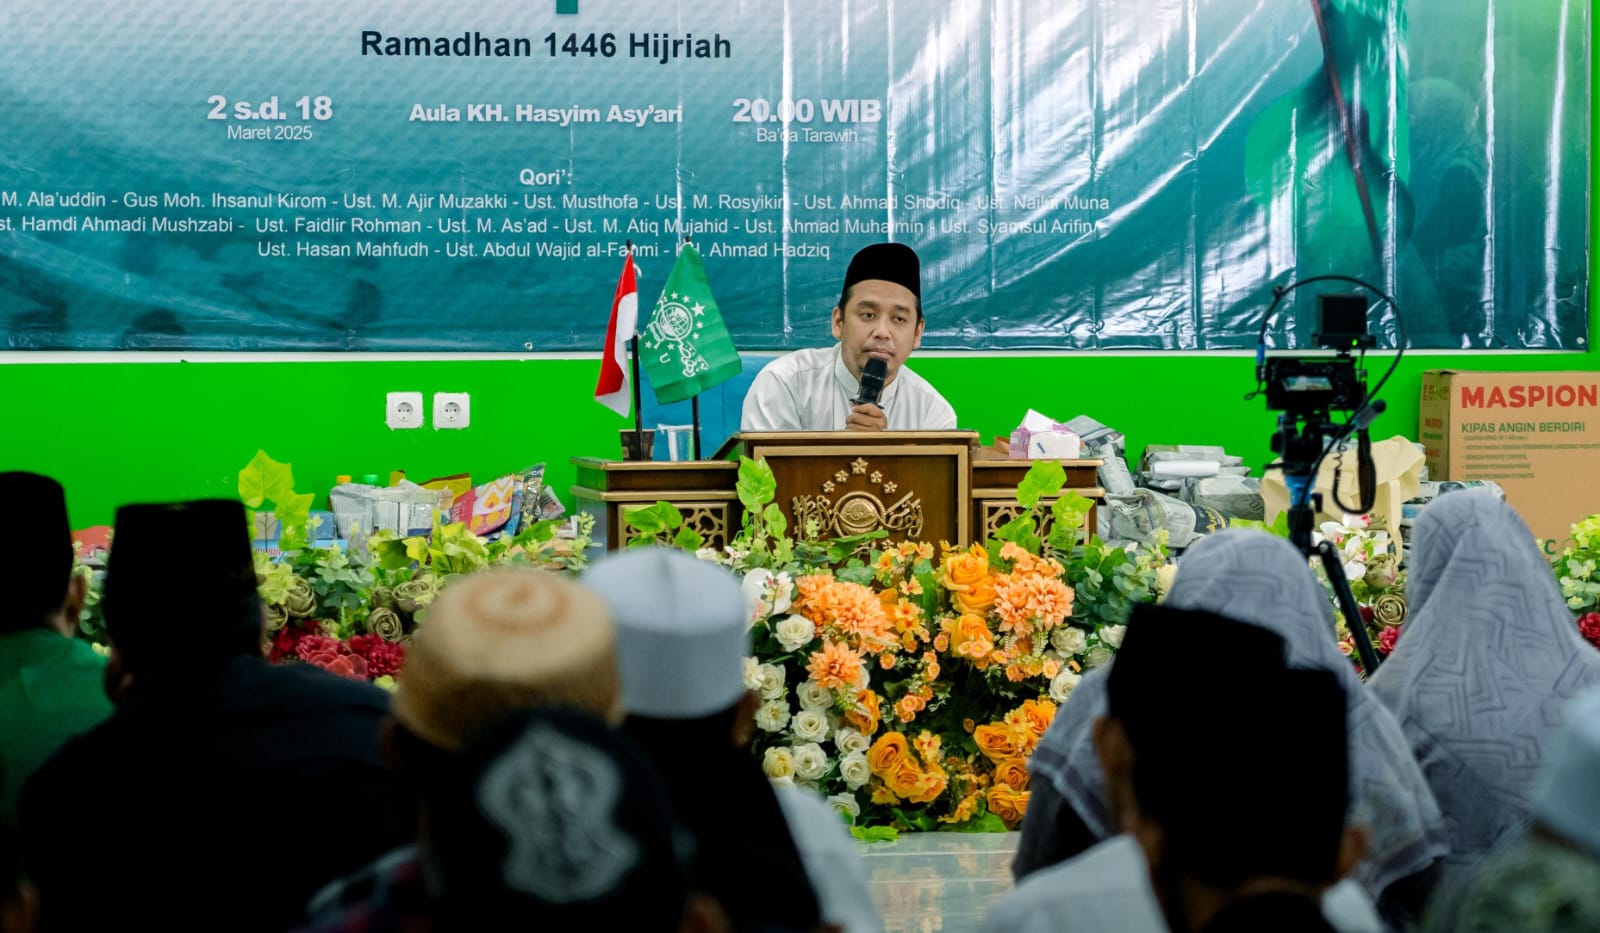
x,y
686,349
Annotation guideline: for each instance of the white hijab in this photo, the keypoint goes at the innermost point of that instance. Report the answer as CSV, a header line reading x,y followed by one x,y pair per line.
x,y
1263,580
1487,659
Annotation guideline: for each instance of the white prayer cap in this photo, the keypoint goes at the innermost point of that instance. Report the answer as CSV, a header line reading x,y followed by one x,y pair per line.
x,y
681,631
1564,799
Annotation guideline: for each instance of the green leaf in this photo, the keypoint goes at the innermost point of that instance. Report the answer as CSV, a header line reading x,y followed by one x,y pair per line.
x,y
987,823
689,539
757,486
875,833
1070,511
256,477
1044,478
857,574
776,523
1021,531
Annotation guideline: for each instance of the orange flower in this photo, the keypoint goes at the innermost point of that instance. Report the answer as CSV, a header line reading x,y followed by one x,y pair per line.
x,y
883,795
931,785
863,717
905,779
907,707
1013,772
1038,714
979,597
886,660
965,810
941,642
856,612
1025,600
995,741
836,666
812,597
889,598
966,575
930,665
911,587
927,746
971,638
887,753
1008,803
968,725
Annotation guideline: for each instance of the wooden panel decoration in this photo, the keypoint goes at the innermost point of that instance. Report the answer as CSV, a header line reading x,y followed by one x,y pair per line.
x,y
917,485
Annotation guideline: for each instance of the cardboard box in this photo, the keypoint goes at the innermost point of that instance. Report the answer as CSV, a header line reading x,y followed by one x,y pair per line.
x,y
1536,434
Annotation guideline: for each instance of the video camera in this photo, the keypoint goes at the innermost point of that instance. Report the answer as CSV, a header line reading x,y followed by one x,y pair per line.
x,y
1312,385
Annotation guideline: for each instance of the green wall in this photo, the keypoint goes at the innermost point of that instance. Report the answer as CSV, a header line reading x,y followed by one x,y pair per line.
x,y
123,432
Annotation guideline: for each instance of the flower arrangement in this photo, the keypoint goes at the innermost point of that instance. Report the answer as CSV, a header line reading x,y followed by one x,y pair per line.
x,y
908,684
1372,567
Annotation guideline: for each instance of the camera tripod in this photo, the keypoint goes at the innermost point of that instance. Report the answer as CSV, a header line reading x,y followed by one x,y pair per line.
x,y
1301,449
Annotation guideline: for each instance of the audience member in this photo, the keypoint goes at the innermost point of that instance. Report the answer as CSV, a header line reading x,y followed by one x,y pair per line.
x,y
553,821
682,639
222,791
1487,658
1108,887
1263,580
496,643
1550,881
51,683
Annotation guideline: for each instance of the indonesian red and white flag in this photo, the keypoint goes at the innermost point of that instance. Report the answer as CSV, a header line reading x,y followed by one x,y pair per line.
x,y
614,390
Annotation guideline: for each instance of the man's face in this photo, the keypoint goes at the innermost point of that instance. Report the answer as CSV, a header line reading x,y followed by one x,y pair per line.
x,y
879,320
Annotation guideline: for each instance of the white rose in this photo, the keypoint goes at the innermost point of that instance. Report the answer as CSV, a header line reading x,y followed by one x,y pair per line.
x,y
1097,656
851,740
1069,640
752,674
810,726
794,632
847,805
767,593
1062,685
772,682
813,695
1111,635
778,763
855,770
773,716
810,761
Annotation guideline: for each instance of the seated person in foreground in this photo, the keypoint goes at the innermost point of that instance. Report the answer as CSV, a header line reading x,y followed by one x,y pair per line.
x,y
879,315
1146,745
1549,882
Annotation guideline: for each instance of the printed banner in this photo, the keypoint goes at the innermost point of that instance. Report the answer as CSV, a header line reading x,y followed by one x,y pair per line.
x,y
1080,174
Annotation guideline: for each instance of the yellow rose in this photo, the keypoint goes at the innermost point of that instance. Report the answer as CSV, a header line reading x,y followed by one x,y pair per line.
x,y
1008,803
863,717
1038,714
905,779
930,785
1013,772
978,596
964,568
995,741
887,753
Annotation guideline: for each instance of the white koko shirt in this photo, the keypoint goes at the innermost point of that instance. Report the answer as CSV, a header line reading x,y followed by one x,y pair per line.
x,y
810,390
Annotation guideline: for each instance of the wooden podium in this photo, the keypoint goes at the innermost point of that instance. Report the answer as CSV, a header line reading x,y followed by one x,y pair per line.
x,y
917,485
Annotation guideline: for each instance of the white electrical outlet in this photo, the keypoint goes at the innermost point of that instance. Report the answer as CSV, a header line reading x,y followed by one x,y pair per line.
x,y
451,410
403,411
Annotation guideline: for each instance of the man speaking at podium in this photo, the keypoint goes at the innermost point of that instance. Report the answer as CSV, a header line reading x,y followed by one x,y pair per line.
x,y
878,318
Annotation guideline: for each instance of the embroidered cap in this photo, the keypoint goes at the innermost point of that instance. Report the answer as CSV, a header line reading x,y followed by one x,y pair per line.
x,y
501,641
682,631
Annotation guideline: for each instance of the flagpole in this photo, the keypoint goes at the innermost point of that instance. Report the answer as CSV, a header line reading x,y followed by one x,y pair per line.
x,y
694,401
633,372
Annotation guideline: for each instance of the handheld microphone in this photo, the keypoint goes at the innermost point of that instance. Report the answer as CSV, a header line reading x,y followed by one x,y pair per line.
x,y
871,381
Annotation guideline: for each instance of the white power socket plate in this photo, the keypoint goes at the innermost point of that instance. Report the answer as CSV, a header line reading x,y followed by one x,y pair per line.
x,y
451,410
403,410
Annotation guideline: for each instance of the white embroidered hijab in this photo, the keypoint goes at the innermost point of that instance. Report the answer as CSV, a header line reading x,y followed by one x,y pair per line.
x,y
1263,580
1485,663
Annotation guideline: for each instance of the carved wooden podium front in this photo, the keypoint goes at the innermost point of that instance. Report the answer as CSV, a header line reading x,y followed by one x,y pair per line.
x,y
917,485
